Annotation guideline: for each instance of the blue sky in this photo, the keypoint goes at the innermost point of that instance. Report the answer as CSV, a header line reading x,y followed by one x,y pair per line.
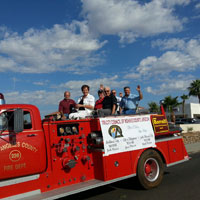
x,y
48,46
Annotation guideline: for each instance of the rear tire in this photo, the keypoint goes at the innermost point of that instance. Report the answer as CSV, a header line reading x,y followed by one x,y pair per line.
x,y
150,169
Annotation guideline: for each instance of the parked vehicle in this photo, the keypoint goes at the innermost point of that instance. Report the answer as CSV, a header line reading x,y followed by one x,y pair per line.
x,y
186,121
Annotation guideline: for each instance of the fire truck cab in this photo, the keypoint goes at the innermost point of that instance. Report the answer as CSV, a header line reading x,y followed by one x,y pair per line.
x,y
50,159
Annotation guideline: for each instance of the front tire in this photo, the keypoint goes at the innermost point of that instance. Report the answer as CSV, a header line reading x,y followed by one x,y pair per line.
x,y
150,169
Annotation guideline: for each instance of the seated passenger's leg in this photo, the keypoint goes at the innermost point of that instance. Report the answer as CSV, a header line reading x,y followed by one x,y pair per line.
x,y
78,115
73,115
66,115
129,112
82,114
104,112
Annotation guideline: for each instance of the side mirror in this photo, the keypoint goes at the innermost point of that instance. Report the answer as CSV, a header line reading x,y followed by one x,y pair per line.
x,y
18,120
3,122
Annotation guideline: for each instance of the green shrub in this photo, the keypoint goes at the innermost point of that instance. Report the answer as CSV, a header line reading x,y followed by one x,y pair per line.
x,y
189,129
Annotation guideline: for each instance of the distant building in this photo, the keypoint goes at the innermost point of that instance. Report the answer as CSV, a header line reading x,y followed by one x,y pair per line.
x,y
192,110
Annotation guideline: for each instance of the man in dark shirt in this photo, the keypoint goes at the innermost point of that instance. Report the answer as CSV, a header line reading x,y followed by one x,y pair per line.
x,y
109,104
66,105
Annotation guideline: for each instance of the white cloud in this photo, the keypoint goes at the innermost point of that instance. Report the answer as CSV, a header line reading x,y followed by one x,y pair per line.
x,y
7,64
41,83
133,75
178,84
46,101
176,2
179,56
41,97
197,6
113,82
130,19
173,43
189,48
56,49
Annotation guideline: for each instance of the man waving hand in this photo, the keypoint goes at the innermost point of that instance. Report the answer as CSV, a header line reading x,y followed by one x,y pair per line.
x,y
129,102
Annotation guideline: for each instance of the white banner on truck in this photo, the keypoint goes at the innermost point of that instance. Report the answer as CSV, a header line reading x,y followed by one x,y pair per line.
x,y
127,133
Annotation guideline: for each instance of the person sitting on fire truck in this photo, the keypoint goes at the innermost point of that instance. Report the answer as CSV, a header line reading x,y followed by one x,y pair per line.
x,y
109,104
85,104
118,100
99,102
129,102
66,105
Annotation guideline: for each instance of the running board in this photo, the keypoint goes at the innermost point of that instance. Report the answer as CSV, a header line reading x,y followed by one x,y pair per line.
x,y
72,189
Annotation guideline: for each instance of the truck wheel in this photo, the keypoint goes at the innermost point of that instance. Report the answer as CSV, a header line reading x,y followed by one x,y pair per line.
x,y
150,169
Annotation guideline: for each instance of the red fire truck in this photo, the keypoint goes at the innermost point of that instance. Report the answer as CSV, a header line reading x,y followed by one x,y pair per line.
x,y
50,158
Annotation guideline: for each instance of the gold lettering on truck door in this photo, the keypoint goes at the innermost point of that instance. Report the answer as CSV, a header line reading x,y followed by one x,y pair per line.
x,y
8,167
15,155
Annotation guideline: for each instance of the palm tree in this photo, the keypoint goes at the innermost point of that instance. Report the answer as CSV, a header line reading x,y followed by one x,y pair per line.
x,y
184,97
194,89
169,104
153,107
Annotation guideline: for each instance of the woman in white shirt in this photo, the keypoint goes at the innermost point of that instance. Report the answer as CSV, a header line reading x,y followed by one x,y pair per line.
x,y
85,104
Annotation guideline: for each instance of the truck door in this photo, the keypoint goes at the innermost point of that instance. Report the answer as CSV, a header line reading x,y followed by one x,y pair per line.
x,y
21,153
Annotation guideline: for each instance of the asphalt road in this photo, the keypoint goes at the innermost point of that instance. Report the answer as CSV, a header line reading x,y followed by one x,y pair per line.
x,y
181,182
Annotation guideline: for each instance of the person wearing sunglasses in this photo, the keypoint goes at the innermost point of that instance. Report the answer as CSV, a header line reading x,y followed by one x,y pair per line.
x,y
109,104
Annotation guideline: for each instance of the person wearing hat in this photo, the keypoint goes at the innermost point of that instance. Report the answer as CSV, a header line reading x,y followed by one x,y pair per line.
x,y
99,102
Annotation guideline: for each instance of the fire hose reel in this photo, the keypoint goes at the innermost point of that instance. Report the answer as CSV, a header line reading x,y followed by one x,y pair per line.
x,y
69,164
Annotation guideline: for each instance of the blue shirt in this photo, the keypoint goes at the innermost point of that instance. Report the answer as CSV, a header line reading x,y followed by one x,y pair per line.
x,y
130,102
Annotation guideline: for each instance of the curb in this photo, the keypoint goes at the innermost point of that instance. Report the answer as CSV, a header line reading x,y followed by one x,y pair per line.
x,y
193,148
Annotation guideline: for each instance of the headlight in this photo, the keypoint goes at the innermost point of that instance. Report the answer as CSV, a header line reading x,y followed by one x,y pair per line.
x,y
68,130
74,129
61,130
